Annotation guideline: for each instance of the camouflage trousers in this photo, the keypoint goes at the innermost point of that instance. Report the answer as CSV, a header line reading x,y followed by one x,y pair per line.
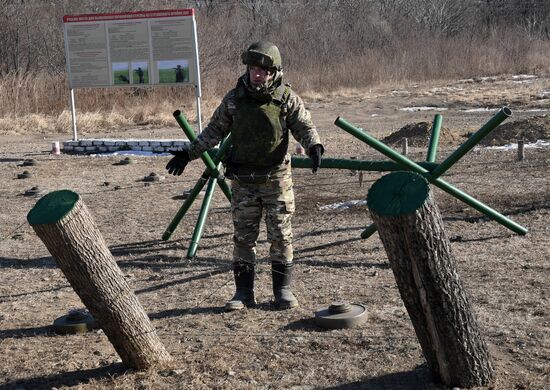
x,y
248,204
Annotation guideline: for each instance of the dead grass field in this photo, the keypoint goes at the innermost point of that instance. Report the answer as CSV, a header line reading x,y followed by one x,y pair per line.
x,y
505,275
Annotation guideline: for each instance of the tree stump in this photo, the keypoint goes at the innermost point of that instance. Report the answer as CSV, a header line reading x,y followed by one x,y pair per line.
x,y
64,224
411,229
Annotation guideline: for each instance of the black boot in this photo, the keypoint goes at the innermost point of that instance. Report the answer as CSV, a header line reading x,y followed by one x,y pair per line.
x,y
282,277
244,282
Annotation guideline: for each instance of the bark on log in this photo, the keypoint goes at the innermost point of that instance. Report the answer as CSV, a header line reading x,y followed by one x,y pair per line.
x,y
64,224
411,229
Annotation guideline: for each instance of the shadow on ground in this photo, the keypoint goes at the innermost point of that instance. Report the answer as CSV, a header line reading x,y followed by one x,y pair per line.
x,y
419,379
73,378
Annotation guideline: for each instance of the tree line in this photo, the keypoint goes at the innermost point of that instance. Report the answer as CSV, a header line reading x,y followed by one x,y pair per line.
x,y
31,36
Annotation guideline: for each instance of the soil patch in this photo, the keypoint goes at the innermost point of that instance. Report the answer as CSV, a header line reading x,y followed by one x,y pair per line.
x,y
418,135
527,129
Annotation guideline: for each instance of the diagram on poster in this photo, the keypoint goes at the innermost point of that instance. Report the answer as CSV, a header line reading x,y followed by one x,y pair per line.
x,y
131,49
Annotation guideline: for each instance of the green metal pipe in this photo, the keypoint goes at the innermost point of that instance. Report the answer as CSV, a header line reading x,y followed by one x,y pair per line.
x,y
201,220
198,187
225,188
474,139
403,161
185,206
432,156
210,158
220,154
476,204
382,148
359,165
205,156
434,139
412,166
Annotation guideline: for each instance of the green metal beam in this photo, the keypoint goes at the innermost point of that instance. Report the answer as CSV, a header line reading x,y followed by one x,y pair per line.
x,y
412,166
474,139
185,206
197,189
207,157
201,220
359,165
190,133
431,158
434,139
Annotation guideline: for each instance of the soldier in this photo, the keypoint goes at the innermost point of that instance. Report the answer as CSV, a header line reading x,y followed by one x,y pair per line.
x,y
140,75
179,74
259,113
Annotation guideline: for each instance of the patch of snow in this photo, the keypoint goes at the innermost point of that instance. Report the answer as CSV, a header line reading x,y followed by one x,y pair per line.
x,y
479,109
141,153
423,108
524,76
540,144
400,93
344,205
488,78
373,115
522,81
534,110
485,109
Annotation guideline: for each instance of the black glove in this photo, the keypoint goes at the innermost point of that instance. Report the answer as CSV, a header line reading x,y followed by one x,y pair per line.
x,y
315,152
177,164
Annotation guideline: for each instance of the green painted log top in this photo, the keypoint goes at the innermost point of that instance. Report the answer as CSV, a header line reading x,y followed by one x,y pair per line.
x,y
52,207
398,193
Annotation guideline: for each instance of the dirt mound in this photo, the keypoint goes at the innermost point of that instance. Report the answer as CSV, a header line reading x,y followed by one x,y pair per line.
x,y
529,130
418,135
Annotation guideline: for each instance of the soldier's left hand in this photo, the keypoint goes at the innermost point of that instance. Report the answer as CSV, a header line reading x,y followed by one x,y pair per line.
x,y
315,152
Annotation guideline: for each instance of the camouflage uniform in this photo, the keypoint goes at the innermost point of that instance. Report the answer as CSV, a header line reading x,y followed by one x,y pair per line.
x,y
259,166
275,195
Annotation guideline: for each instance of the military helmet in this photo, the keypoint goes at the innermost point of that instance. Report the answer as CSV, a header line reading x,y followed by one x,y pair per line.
x,y
264,54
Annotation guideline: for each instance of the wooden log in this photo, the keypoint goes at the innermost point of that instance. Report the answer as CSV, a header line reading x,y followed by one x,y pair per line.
x,y
64,224
404,146
521,145
411,229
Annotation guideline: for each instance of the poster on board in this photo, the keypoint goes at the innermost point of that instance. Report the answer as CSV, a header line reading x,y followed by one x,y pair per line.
x,y
132,49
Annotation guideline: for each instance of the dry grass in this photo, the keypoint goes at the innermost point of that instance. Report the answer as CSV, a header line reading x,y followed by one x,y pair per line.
x,y
39,101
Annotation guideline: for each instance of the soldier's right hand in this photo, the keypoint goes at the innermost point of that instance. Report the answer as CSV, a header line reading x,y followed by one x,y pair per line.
x,y
177,164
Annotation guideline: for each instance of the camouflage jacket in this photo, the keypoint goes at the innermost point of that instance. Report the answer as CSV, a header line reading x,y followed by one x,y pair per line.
x,y
298,121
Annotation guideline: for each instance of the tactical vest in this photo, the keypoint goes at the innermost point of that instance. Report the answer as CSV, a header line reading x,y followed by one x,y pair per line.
x,y
259,134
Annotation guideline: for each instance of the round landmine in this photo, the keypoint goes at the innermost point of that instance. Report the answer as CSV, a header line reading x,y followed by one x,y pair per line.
x,y
24,175
34,191
77,321
341,315
153,177
29,162
186,195
125,161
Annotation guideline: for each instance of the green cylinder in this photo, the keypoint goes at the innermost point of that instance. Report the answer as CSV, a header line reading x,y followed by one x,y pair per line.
x,y
412,166
205,156
201,220
434,139
359,165
476,204
474,139
403,161
185,206
226,143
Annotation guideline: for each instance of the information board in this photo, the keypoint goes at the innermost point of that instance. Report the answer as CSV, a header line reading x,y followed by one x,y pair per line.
x,y
132,49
